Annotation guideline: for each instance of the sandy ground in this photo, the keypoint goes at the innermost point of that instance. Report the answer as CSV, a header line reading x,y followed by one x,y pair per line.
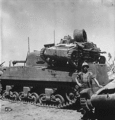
x,y
21,111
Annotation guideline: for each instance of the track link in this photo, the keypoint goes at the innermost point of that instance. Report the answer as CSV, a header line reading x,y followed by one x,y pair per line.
x,y
66,105
69,105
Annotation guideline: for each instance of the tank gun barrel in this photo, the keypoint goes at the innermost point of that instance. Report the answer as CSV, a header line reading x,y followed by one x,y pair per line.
x,y
20,61
94,50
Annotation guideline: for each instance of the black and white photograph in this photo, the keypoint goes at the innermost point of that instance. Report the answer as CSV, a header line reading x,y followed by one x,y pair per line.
x,y
57,60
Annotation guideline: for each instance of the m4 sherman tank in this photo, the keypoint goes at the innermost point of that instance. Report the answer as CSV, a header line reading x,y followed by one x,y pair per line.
x,y
72,52
40,82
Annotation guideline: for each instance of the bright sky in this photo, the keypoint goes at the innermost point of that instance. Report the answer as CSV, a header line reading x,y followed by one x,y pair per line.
x,y
37,19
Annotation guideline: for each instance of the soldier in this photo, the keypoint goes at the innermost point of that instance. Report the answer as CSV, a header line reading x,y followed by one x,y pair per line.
x,y
85,78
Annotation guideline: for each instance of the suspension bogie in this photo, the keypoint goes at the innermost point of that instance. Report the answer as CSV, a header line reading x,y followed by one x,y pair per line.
x,y
57,96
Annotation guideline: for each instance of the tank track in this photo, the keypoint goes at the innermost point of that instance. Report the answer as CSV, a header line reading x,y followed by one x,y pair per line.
x,y
72,58
70,105
67,105
73,62
48,60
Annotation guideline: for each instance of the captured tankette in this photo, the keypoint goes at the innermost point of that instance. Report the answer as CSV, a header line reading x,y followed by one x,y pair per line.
x,y
48,76
72,52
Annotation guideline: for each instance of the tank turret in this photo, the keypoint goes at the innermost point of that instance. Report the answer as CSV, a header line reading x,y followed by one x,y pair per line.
x,y
32,59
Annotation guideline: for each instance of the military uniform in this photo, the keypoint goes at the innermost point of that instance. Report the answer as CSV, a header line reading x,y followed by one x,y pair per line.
x,y
86,79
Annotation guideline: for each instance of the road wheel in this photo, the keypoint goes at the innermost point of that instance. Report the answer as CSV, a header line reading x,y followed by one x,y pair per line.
x,y
59,99
35,97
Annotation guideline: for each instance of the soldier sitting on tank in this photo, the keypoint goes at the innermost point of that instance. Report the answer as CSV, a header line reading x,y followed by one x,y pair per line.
x,y
85,78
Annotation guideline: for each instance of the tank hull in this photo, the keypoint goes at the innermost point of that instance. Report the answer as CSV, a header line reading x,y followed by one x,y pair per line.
x,y
50,86
21,82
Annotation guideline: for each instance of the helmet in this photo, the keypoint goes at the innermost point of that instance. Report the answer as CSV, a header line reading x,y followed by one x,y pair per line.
x,y
85,64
